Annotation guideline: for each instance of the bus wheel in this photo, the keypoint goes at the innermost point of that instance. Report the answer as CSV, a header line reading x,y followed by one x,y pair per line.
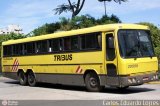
x,y
31,79
92,82
22,78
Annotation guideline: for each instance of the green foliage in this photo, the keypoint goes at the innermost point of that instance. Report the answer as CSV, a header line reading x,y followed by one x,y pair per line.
x,y
5,37
108,19
155,32
85,21
77,22
45,29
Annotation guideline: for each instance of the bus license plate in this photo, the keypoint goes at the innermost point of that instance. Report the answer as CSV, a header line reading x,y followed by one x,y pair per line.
x,y
145,79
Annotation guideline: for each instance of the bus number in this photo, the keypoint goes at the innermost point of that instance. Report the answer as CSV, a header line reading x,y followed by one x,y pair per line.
x,y
63,57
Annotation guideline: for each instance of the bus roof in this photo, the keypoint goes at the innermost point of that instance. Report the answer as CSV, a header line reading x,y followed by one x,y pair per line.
x,y
98,28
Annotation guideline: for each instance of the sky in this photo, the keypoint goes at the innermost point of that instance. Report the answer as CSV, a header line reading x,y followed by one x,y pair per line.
x,y
31,14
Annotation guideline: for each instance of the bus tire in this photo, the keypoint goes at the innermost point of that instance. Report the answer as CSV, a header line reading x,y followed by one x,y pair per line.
x,y
92,82
31,79
22,78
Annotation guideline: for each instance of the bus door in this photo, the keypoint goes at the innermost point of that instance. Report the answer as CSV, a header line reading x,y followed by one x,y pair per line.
x,y
111,60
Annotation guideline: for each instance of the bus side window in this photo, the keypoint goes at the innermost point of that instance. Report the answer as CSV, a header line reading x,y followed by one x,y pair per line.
x,y
74,43
30,48
60,44
55,45
91,41
41,46
110,50
83,42
7,50
20,49
67,43
50,46
98,41
14,49
25,49
17,49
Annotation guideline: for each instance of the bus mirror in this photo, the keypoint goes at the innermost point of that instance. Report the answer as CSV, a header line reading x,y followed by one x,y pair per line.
x,y
110,43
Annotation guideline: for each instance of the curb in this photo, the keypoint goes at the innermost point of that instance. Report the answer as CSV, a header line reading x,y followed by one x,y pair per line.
x,y
155,82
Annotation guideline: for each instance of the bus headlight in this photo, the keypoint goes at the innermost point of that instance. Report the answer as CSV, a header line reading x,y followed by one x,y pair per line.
x,y
134,80
156,76
130,80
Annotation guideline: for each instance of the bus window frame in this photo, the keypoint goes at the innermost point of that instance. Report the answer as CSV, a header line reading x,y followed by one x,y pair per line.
x,y
60,51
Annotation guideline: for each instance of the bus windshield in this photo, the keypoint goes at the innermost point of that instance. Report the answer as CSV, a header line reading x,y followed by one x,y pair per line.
x,y
135,43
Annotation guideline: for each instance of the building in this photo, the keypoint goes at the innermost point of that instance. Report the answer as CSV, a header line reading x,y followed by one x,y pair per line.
x,y
2,31
11,29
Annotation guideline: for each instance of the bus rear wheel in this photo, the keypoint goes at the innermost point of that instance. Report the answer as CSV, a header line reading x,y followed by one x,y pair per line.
x,y
31,79
22,78
92,82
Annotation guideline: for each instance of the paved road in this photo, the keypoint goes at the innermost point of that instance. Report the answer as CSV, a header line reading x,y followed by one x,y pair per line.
x,y
11,90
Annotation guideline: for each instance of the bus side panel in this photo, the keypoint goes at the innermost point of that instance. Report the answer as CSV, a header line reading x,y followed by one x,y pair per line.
x,y
61,79
58,74
52,70
12,75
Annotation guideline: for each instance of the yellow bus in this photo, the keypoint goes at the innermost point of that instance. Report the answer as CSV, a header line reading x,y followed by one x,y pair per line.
x,y
116,55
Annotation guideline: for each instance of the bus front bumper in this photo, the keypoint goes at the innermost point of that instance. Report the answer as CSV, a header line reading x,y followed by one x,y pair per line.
x,y
123,81
138,79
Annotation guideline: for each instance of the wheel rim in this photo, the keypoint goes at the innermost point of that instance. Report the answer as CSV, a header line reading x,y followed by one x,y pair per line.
x,y
93,82
22,77
31,78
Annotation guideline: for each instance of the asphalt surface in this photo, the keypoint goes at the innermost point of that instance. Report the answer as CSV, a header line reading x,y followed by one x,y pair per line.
x,y
44,94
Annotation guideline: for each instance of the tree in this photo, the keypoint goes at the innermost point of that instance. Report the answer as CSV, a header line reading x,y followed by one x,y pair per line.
x,y
117,1
108,19
65,24
73,7
85,21
11,36
45,29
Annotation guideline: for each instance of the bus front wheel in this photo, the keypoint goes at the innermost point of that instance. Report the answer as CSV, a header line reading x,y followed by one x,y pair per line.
x,y
92,82
22,78
31,79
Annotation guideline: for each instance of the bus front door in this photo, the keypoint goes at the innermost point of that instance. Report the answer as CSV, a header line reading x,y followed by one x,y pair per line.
x,y
111,60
